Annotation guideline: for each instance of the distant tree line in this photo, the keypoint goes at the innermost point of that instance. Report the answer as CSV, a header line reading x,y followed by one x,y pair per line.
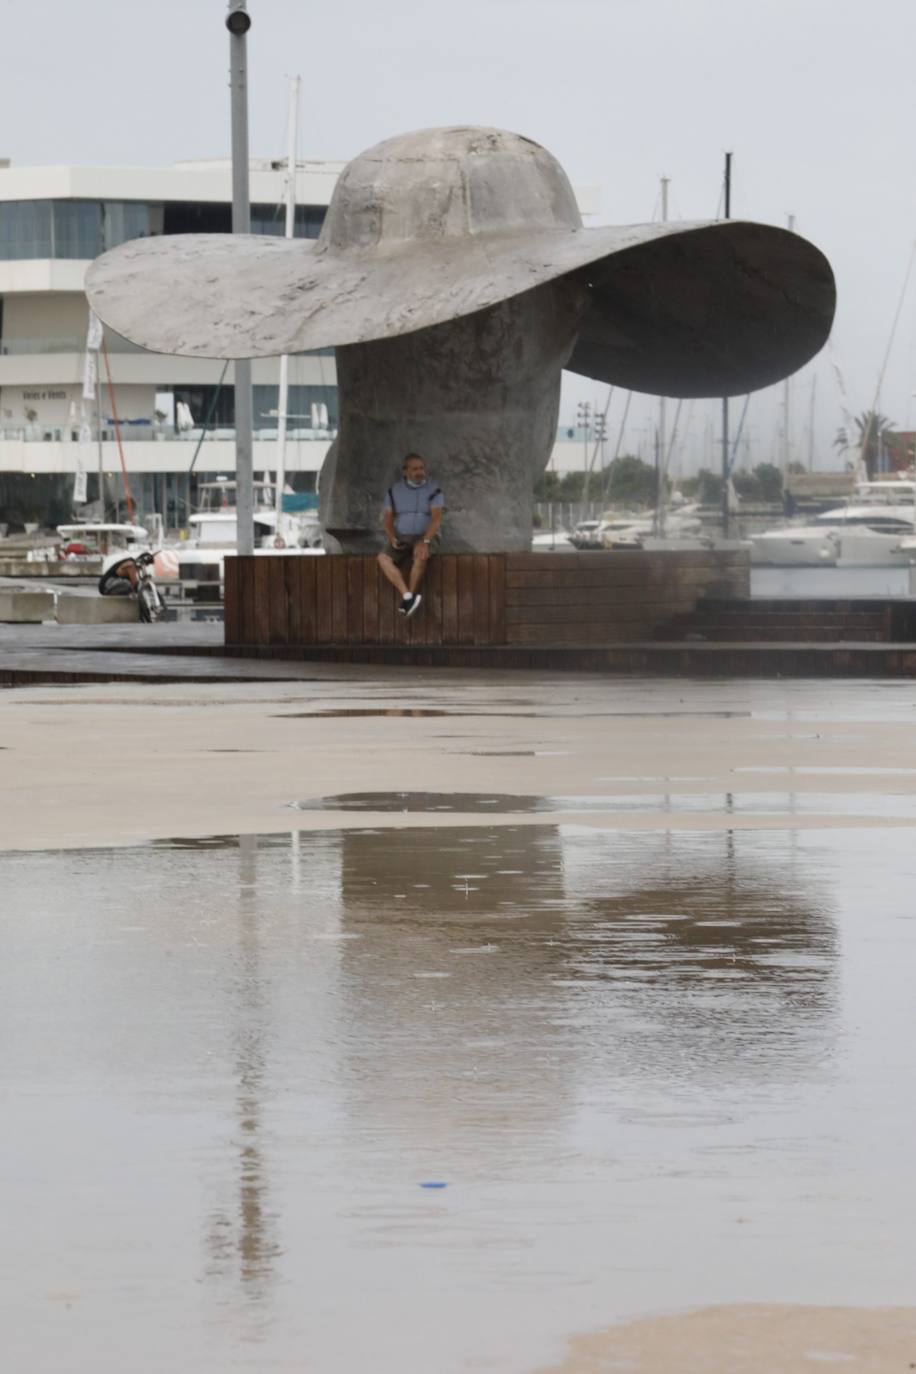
x,y
627,481
631,483
761,484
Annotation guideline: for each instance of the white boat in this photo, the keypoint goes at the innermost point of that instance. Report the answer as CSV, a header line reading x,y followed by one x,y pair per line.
x,y
869,531
624,531
214,537
213,529
96,539
549,541
683,530
585,535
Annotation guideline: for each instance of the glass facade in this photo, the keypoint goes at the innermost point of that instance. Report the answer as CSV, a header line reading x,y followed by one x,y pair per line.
x,y
82,229
271,219
215,407
25,229
77,229
299,406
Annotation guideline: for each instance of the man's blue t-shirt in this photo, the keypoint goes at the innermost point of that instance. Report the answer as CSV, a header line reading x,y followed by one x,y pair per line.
x,y
413,506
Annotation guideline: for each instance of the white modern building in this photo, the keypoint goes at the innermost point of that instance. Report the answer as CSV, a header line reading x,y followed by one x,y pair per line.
x,y
176,414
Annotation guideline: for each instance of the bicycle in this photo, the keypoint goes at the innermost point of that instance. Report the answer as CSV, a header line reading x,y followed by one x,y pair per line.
x,y
133,576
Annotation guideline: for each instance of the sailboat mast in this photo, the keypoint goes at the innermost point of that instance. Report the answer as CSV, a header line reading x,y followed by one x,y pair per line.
x,y
811,423
786,400
289,231
725,462
660,491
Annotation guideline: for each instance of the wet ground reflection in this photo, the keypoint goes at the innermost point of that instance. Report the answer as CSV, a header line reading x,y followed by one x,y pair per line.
x,y
901,805
343,712
463,710
230,1064
240,1230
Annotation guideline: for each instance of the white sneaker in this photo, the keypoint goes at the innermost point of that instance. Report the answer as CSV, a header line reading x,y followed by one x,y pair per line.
x,y
414,603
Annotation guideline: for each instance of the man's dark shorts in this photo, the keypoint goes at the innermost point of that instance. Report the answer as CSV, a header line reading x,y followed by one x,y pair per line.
x,y
403,557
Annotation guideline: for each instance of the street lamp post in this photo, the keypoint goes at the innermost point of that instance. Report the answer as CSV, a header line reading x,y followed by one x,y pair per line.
x,y
583,417
238,22
600,439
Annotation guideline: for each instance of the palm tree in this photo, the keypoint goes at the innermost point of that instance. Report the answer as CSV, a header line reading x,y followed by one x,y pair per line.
x,y
870,439
841,440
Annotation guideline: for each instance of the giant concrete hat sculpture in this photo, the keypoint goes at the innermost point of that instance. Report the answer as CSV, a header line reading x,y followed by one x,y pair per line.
x,y
455,279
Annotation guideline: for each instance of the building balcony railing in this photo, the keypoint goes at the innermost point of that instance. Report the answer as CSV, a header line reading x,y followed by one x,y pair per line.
x,y
147,432
14,348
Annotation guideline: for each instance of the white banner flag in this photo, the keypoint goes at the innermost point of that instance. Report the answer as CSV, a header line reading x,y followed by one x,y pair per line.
x,y
95,333
80,489
90,376
83,452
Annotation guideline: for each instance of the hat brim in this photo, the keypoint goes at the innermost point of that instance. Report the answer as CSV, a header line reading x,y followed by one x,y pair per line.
x,y
681,310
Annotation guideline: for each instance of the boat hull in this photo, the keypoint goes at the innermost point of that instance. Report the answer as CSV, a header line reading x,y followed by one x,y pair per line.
x,y
787,550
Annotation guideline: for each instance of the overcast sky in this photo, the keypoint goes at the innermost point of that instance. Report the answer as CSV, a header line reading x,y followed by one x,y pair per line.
x,y
816,98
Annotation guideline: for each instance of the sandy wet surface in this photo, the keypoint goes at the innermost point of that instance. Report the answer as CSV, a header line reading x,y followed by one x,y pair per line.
x,y
753,1340
652,1028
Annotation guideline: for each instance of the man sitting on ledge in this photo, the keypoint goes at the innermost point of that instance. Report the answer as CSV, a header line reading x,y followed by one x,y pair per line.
x,y
413,514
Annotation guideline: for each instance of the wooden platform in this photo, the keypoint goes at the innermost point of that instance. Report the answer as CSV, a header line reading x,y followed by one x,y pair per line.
x,y
504,600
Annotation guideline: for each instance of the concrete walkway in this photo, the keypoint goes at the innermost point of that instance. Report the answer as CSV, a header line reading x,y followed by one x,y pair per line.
x,y
193,652
170,652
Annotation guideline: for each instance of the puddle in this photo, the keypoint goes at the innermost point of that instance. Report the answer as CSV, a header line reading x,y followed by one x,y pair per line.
x,y
636,777
677,715
350,711
465,802
516,753
233,1063
839,772
498,753
900,806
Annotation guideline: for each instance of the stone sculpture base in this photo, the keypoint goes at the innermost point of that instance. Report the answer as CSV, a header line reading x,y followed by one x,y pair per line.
x,y
477,398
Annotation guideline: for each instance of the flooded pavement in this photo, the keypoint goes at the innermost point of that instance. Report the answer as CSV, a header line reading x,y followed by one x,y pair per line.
x,y
642,754
652,1071
405,1022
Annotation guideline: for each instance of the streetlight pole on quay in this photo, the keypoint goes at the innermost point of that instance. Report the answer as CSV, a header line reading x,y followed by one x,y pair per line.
x,y
238,22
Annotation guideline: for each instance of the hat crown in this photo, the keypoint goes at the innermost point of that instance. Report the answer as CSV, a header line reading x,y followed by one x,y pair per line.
x,y
448,183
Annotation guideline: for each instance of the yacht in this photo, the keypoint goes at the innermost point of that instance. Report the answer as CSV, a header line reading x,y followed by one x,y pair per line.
x,y
549,541
682,529
213,528
869,531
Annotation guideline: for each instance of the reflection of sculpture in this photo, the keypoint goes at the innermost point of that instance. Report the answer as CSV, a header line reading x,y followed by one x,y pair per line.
x,y
451,984
569,956
714,956
455,278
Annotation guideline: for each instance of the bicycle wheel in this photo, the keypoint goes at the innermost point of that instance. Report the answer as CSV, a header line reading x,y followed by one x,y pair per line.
x,y
147,600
